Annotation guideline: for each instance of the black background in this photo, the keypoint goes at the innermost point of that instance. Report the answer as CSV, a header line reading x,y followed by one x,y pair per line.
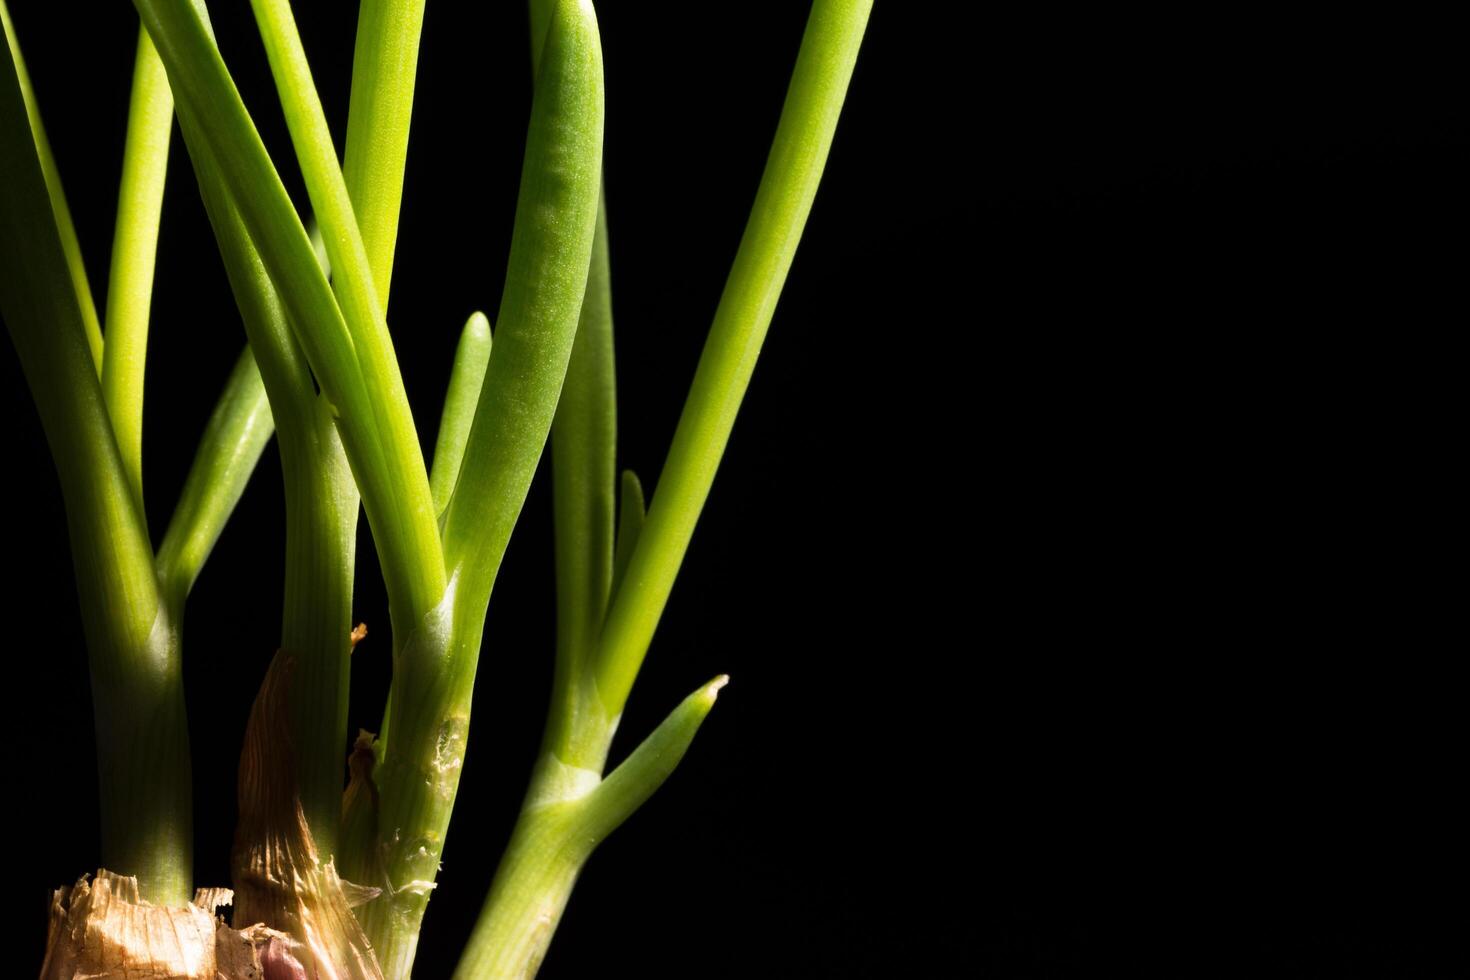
x,y
1079,559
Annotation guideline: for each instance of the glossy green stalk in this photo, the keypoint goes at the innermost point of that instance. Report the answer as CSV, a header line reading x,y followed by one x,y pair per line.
x,y
569,806
466,378
349,354
631,511
814,99
237,433
384,69
560,825
142,735
382,100
134,248
321,508
584,481
388,480
554,836
551,246
76,269
410,525
321,513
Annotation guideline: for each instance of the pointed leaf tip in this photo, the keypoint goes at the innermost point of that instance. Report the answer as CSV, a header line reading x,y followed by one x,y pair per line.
x,y
478,324
626,788
711,691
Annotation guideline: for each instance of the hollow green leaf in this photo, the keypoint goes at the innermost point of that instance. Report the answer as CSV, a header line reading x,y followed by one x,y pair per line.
x,y
384,69
70,247
551,246
408,527
466,378
133,649
630,522
238,431
824,65
134,248
584,468
640,775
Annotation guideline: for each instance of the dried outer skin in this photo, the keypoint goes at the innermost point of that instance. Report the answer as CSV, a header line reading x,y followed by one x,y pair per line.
x,y
103,930
304,926
280,879
357,835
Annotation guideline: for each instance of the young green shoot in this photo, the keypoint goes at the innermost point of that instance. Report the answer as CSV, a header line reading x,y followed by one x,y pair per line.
x,y
321,373
134,248
71,249
131,601
610,597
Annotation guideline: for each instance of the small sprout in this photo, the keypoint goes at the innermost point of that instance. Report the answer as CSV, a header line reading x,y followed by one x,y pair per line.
x,y
321,371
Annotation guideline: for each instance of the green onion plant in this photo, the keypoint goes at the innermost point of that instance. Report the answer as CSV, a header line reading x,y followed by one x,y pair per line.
x,y
318,371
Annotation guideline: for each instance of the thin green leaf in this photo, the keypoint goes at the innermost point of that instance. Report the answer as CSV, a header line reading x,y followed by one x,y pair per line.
x,y
630,522
583,479
466,378
44,317
584,468
551,246
550,250
238,431
203,87
134,248
814,99
321,509
319,247
556,834
280,360
70,247
384,69
409,525
133,647
628,786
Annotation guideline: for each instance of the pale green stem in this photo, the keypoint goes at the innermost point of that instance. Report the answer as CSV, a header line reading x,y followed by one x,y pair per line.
x,y
814,99
532,885
567,813
238,431
321,508
321,547
417,779
202,85
70,247
142,733
134,249
631,511
384,69
551,247
584,480
567,808
321,514
349,354
410,529
466,378
384,72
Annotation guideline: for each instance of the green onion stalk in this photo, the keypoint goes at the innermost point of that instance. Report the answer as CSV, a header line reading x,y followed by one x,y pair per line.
x,y
88,395
321,372
612,584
